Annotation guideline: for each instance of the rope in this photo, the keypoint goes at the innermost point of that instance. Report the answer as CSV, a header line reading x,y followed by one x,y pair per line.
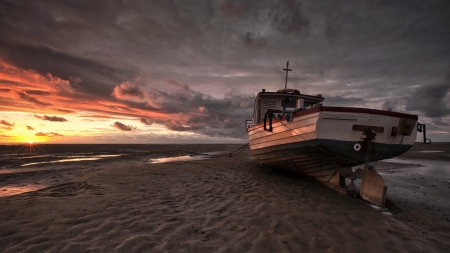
x,y
240,150
231,154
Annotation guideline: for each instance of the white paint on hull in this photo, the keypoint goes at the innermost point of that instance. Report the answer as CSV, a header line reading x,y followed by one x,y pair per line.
x,y
325,125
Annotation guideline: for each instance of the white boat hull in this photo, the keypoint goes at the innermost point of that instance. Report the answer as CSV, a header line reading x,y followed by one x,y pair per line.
x,y
321,141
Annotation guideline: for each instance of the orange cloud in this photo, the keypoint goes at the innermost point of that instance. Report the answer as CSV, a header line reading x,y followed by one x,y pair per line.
x,y
26,97
6,123
33,92
51,134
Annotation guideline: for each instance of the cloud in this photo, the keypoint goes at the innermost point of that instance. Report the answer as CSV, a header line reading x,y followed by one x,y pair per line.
x,y
85,74
390,104
430,100
51,118
30,128
7,128
254,40
177,127
6,123
231,9
244,104
26,97
51,134
127,90
145,121
123,127
197,68
343,101
65,110
287,17
439,122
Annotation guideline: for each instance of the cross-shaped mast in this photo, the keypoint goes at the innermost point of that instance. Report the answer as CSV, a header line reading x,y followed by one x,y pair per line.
x,y
287,70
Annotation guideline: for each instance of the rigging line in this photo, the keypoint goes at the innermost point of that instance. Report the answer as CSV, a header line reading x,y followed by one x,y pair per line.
x,y
230,154
313,145
239,151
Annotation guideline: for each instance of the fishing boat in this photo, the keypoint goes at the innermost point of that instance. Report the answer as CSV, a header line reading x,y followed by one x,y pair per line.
x,y
294,132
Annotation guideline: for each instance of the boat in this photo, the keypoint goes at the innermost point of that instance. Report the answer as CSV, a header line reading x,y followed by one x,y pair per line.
x,y
294,132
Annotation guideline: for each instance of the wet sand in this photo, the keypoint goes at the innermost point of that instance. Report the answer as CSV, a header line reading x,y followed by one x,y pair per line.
x,y
221,205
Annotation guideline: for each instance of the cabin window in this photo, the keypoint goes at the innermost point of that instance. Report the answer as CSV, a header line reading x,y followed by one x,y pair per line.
x,y
290,105
309,105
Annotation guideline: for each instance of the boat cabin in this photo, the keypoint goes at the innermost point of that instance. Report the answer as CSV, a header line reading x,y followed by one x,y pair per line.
x,y
284,100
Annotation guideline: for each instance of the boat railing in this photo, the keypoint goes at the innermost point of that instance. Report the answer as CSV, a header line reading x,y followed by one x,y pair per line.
x,y
249,123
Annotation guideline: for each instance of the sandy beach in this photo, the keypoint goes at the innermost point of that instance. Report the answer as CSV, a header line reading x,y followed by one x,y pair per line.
x,y
223,204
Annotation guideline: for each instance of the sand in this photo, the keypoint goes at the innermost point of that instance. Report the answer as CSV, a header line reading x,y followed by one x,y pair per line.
x,y
220,205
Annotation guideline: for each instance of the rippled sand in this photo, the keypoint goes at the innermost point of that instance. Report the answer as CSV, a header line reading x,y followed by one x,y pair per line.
x,y
214,205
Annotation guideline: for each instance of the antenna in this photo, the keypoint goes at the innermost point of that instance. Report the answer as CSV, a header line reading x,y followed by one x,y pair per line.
x,y
287,71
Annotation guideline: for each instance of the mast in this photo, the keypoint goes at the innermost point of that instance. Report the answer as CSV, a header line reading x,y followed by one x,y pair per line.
x,y
287,70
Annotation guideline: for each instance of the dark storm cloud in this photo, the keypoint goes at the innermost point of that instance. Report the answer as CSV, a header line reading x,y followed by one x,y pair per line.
x,y
123,127
439,122
390,104
128,90
94,77
199,112
51,118
287,16
219,54
26,97
430,100
177,127
6,123
232,9
342,101
254,40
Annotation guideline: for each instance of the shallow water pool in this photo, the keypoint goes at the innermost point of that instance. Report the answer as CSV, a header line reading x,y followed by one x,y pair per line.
x,y
432,168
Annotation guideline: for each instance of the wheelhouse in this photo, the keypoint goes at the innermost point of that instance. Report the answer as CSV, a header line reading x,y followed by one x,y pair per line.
x,y
286,100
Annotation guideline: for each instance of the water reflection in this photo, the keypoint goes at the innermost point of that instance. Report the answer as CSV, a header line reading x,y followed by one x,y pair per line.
x,y
11,190
433,168
74,159
193,157
179,159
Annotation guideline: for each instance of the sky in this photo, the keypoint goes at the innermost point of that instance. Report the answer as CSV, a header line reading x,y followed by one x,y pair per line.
x,y
188,71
